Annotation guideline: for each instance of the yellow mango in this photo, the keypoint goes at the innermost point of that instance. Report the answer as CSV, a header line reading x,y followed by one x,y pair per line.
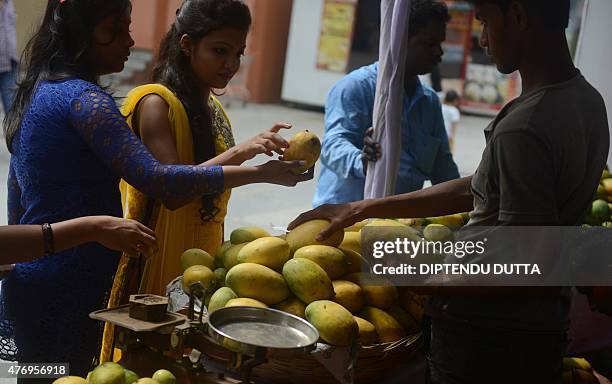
x,y
307,280
336,325
367,331
257,282
384,223
576,363
220,274
437,232
220,298
245,302
387,328
247,234
332,260
220,252
349,295
357,226
305,233
292,305
607,184
198,273
411,326
355,262
377,291
269,251
352,241
70,380
412,303
230,257
196,256
304,146
453,222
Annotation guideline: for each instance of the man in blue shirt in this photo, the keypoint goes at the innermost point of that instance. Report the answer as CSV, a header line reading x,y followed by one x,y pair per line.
x,y
349,108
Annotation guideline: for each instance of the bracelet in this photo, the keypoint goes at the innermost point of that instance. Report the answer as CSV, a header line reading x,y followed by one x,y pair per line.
x,y
49,245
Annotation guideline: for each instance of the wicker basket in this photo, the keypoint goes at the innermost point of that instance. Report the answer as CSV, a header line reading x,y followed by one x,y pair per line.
x,y
373,364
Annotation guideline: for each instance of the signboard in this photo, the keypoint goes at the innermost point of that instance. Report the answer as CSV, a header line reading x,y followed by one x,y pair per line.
x,y
486,90
337,24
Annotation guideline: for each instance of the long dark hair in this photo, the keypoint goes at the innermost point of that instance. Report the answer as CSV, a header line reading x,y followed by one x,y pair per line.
x,y
58,50
196,18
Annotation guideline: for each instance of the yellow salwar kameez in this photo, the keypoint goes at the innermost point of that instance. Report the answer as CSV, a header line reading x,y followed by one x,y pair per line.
x,y
176,230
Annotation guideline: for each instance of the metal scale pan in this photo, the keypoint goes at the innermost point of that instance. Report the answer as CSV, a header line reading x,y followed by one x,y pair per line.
x,y
261,332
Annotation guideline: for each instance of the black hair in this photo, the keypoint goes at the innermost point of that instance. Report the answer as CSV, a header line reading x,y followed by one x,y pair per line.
x,y
196,18
554,14
423,12
58,50
451,96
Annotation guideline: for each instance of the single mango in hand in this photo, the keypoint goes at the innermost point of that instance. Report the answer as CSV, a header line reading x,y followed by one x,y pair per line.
x,y
304,146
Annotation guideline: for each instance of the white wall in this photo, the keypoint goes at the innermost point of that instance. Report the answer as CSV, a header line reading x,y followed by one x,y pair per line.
x,y
303,82
594,55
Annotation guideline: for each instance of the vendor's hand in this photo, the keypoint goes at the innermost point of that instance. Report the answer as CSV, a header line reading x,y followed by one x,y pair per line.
x,y
340,216
279,172
124,235
372,151
267,142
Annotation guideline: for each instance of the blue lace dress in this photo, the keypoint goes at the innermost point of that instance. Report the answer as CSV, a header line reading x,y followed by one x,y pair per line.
x,y
71,151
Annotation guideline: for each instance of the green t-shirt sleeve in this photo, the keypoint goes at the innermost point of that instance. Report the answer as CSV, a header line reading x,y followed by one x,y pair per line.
x,y
526,176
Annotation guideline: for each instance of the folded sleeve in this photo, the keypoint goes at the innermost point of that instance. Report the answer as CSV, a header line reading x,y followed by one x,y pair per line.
x,y
346,122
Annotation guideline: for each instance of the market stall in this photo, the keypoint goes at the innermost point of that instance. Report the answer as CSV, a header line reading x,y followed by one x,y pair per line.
x,y
266,308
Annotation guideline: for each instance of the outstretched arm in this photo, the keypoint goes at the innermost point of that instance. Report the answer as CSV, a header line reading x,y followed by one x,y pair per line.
x,y
23,243
442,199
99,123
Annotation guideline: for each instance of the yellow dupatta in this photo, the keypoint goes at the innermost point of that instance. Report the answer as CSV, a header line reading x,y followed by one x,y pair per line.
x,y
176,230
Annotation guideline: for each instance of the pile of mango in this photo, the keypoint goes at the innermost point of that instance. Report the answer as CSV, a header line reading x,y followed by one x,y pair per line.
x,y
600,211
321,282
113,373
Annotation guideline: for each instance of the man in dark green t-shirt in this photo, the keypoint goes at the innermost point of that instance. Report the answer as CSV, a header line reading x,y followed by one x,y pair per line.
x,y
541,166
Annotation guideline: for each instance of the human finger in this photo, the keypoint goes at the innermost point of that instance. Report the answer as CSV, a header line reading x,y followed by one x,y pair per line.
x,y
333,226
308,175
278,126
144,228
261,148
304,217
369,154
278,140
294,164
149,241
369,150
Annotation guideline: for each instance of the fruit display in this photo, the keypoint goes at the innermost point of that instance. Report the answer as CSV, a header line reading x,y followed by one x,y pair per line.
x,y
600,211
113,373
326,282
322,282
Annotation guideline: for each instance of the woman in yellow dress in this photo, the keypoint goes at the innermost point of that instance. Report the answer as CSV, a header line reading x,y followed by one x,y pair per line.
x,y
181,121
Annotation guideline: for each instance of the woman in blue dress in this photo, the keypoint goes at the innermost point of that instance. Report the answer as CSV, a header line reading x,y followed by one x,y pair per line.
x,y
70,146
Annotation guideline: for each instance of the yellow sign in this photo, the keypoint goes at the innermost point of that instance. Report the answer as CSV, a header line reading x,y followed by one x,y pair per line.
x,y
336,35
